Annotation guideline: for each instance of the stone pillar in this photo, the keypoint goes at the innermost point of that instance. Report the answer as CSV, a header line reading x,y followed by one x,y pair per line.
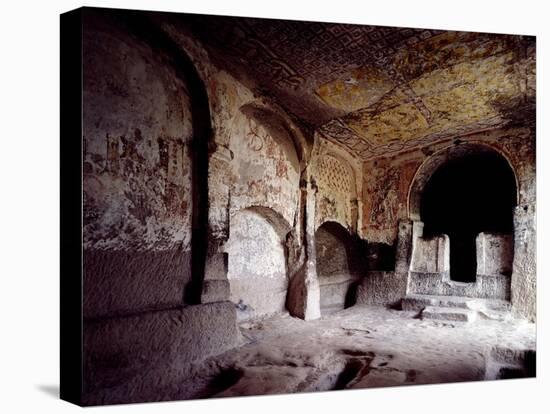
x,y
215,287
304,297
494,254
403,250
524,282
431,255
354,215
403,255
443,263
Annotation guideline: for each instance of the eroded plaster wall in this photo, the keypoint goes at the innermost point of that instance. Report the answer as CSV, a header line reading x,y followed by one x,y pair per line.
x,y
265,166
257,158
137,175
340,264
264,173
255,165
257,269
139,130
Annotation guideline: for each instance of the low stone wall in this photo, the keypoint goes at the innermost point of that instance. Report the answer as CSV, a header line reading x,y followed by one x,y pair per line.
x,y
485,286
257,268
381,288
507,361
258,296
128,359
336,292
118,282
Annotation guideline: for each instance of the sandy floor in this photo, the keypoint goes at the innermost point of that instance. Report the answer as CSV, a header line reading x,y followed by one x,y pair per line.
x,y
359,347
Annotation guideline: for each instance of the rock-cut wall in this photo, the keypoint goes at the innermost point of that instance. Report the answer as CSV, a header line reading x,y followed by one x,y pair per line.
x,y
137,175
139,212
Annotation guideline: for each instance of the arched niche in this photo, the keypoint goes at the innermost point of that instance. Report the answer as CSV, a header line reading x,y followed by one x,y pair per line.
x,y
463,198
257,261
432,163
336,191
282,130
267,161
340,264
149,192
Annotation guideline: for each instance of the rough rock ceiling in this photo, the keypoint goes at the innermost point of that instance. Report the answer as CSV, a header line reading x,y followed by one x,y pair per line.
x,y
378,90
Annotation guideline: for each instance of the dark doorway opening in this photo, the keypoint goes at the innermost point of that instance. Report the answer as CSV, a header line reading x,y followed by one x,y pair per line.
x,y
464,197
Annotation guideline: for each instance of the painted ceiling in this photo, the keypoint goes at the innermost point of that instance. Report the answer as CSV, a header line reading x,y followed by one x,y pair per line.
x,y
378,90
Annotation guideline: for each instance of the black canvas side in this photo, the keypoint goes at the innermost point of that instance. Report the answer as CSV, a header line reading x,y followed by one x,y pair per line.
x,y
71,206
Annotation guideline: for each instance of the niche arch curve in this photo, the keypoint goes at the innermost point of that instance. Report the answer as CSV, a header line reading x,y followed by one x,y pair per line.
x,y
257,261
431,164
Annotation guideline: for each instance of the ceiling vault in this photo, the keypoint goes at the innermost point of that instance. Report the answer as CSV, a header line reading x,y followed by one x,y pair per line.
x,y
377,90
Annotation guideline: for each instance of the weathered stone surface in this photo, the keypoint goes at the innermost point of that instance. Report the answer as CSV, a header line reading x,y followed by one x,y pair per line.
x,y
304,295
495,315
335,293
119,281
362,346
335,180
514,360
524,279
257,270
485,286
457,308
340,263
476,81
394,184
515,355
122,355
407,232
494,253
136,130
448,314
381,288
431,255
262,148
137,202
418,302
215,291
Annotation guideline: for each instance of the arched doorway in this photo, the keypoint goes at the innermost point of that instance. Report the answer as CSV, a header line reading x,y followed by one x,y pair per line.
x,y
257,262
472,191
339,266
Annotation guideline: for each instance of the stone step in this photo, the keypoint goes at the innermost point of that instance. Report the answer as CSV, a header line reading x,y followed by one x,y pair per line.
x,y
453,314
495,315
510,361
418,302
496,371
513,355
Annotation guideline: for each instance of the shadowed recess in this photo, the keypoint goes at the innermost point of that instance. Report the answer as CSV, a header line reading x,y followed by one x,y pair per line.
x,y
464,197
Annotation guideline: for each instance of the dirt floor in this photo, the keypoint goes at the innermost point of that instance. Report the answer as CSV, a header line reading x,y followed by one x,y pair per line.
x,y
360,347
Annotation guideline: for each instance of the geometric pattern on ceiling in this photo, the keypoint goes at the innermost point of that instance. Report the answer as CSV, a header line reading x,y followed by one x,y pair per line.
x,y
377,90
